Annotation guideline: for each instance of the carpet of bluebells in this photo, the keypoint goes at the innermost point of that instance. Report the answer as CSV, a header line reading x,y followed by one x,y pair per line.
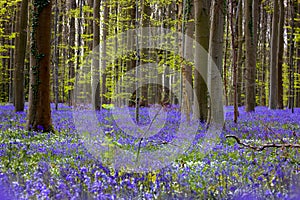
x,y
37,165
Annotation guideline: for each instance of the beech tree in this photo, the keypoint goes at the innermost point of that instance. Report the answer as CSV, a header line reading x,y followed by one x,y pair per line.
x,y
20,51
274,55
39,113
96,57
251,17
202,24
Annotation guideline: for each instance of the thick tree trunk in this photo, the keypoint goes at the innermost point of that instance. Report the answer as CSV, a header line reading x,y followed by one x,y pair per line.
x,y
251,8
20,57
216,43
39,113
202,24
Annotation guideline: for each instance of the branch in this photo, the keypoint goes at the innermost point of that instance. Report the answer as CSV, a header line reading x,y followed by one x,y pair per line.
x,y
263,146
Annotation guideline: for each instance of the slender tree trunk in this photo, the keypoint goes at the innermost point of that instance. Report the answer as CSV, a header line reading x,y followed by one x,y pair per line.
x,y
234,44
291,58
263,57
71,54
20,57
298,61
273,99
39,113
240,55
104,49
145,53
56,56
280,55
188,73
225,71
11,63
96,57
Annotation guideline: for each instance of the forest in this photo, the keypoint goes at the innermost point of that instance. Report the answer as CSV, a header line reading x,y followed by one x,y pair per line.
x,y
161,99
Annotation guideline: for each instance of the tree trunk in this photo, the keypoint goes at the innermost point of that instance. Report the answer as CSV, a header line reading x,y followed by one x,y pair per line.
x,y
202,24
11,62
234,43
291,58
240,56
216,43
273,99
39,113
145,52
264,68
56,57
280,55
251,8
186,67
298,61
103,99
71,53
96,57
20,57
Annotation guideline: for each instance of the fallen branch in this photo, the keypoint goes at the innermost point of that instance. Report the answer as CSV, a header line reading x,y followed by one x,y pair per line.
x,y
263,146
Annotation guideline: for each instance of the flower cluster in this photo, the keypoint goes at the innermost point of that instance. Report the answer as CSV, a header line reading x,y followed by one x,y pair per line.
x,y
58,166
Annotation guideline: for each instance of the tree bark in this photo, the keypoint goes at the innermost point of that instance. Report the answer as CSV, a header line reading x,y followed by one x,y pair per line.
x,y
56,57
202,26
291,57
103,98
251,8
280,55
96,57
71,53
186,67
216,44
39,112
20,52
273,99
240,56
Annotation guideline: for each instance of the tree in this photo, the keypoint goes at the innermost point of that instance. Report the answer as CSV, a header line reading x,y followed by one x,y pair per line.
x,y
240,54
280,55
96,57
39,112
234,43
186,67
20,51
71,62
215,60
273,99
251,9
56,57
103,98
291,56
202,24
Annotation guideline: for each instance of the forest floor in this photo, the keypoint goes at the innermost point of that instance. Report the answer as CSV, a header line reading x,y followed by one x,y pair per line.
x,y
36,165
